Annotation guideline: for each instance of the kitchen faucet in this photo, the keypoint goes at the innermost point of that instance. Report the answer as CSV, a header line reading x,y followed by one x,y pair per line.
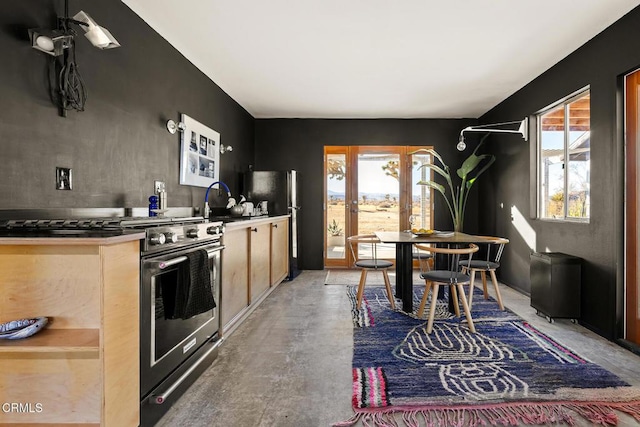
x,y
231,201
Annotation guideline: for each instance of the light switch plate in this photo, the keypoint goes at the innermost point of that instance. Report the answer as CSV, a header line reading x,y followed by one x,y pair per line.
x,y
64,178
158,186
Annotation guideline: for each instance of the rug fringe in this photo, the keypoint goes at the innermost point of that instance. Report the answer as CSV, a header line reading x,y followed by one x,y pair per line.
x,y
511,414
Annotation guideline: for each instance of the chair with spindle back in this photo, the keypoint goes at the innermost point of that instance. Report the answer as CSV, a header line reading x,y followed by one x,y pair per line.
x,y
494,250
369,262
451,276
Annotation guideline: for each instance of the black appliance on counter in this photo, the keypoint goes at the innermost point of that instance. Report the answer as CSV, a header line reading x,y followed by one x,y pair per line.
x,y
281,189
173,352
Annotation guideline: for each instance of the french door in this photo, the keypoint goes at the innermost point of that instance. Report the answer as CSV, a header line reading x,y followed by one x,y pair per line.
x,y
632,208
369,189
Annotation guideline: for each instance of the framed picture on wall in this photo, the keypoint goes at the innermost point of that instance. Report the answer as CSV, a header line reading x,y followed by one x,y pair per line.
x,y
199,154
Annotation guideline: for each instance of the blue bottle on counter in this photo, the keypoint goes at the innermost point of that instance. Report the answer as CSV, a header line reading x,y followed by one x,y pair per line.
x,y
153,204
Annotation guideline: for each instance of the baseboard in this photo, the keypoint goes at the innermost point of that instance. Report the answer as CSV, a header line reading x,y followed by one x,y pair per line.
x,y
631,346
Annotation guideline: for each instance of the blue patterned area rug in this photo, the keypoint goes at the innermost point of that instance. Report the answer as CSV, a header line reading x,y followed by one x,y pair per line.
x,y
507,373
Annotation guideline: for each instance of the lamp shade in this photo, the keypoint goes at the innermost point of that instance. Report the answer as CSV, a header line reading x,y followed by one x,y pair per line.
x,y
99,36
51,42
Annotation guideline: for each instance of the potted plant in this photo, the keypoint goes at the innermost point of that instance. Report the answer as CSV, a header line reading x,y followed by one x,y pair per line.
x,y
336,236
456,196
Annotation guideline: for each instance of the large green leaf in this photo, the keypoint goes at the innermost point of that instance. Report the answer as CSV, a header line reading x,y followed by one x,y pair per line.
x,y
491,158
471,162
469,165
437,169
430,151
435,185
442,190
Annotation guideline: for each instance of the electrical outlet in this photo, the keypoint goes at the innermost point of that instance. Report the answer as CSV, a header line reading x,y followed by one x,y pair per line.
x,y
64,178
159,186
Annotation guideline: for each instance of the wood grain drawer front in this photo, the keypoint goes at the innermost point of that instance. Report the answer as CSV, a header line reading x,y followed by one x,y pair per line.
x,y
67,389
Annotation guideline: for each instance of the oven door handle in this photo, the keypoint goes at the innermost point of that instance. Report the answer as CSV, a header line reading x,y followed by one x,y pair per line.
x,y
177,260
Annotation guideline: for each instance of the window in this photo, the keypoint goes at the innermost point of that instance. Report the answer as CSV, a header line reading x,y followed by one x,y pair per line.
x,y
564,168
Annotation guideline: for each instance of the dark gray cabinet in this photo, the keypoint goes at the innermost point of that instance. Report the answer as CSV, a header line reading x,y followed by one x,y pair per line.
x,y
555,284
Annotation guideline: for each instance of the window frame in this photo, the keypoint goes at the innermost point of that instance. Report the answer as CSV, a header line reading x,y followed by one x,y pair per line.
x,y
540,203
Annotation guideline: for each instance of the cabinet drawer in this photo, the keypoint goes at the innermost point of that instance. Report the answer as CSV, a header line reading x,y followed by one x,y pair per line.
x,y
61,389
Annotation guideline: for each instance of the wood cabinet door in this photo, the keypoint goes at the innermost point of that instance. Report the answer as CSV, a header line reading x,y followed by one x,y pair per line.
x,y
234,294
279,251
260,259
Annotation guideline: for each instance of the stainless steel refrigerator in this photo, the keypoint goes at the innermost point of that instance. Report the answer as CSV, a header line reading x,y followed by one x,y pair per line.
x,y
281,189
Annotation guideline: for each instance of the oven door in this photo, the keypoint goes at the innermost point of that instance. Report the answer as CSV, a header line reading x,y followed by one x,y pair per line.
x,y
167,343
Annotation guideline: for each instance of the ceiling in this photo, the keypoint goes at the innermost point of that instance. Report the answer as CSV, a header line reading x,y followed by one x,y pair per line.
x,y
375,58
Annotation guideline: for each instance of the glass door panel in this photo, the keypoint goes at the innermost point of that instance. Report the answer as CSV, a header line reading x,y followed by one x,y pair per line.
x,y
378,189
366,191
336,213
421,195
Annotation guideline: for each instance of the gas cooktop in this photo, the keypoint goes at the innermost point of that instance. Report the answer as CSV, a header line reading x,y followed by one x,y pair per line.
x,y
110,223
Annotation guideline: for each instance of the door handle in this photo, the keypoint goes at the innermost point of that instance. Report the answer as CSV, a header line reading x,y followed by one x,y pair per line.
x,y
177,260
255,230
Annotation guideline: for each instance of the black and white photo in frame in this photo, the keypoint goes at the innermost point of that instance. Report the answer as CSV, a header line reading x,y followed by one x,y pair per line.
x,y
199,154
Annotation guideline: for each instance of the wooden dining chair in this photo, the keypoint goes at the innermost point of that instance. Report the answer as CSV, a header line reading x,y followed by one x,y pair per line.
x,y
450,276
368,261
494,250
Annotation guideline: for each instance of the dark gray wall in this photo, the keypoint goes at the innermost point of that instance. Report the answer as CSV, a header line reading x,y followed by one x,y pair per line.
x,y
600,63
299,143
119,145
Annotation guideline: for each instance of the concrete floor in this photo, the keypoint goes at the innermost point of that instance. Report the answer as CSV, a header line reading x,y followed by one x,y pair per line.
x,y
289,363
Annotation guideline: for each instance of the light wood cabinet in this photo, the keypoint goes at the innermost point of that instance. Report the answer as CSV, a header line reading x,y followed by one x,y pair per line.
x,y
234,294
279,251
260,260
83,368
254,261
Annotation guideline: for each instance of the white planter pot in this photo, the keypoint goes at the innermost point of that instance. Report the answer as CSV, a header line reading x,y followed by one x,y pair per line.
x,y
335,241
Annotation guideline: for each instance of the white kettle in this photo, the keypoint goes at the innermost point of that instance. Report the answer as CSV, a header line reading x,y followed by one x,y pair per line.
x,y
247,209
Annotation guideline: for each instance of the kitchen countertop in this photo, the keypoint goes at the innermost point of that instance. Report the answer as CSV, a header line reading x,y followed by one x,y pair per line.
x,y
242,221
70,237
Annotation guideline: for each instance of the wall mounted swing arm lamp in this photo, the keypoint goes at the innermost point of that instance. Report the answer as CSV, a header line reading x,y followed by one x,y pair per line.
x,y
174,127
523,130
69,92
54,42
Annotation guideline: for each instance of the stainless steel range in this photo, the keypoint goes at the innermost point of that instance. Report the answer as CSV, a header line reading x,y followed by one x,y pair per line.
x,y
174,351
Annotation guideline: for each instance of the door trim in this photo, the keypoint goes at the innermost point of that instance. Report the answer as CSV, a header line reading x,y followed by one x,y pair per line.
x,y
631,188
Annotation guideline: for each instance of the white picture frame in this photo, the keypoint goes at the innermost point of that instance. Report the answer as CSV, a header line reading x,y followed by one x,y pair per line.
x,y
199,154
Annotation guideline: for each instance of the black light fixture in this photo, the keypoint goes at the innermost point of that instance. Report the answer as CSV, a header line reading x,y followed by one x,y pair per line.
x,y
67,87
491,128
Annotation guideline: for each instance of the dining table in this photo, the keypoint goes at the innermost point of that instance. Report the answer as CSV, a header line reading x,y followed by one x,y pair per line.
x,y
404,241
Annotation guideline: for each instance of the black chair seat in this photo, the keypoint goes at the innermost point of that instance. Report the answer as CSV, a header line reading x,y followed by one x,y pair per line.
x,y
445,276
372,263
479,264
421,256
